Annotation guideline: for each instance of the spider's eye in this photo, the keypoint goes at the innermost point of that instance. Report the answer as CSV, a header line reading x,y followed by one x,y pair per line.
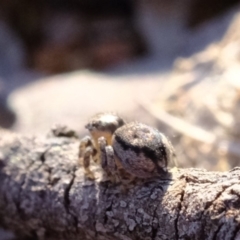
x,y
91,126
95,124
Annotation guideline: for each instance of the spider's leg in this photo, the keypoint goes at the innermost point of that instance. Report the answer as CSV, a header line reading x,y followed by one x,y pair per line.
x,y
103,155
108,162
112,167
85,154
84,143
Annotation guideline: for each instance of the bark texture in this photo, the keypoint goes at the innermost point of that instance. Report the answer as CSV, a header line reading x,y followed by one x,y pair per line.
x,y
43,194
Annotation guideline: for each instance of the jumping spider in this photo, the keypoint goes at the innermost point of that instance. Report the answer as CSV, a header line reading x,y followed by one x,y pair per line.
x,y
125,151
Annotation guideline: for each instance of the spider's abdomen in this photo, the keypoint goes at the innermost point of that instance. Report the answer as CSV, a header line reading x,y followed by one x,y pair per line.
x,y
142,150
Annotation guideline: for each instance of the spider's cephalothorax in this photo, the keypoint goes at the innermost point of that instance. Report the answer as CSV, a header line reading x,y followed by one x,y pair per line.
x,y
100,125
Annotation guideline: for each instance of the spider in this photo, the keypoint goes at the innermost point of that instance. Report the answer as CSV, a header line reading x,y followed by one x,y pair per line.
x,y
125,151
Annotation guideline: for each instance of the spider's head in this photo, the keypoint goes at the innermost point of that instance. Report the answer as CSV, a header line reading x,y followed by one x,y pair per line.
x,y
104,125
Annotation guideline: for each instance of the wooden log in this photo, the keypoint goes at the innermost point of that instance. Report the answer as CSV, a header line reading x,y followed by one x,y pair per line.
x,y
44,195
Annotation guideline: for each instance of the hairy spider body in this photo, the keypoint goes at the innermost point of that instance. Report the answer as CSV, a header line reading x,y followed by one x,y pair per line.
x,y
125,151
140,150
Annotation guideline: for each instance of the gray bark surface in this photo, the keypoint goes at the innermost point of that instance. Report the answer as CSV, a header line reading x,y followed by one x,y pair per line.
x,y
44,194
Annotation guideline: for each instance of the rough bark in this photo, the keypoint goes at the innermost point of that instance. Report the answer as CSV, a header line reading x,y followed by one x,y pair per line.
x,y
43,193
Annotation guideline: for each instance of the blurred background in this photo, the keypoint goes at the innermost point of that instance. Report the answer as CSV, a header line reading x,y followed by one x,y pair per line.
x,y
171,64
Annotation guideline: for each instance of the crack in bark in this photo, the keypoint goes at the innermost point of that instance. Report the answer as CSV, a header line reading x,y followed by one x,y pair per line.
x,y
43,158
217,231
179,210
18,202
43,154
207,207
209,204
67,200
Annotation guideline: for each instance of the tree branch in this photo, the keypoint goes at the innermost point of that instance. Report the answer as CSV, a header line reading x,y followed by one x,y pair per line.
x,y
43,193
